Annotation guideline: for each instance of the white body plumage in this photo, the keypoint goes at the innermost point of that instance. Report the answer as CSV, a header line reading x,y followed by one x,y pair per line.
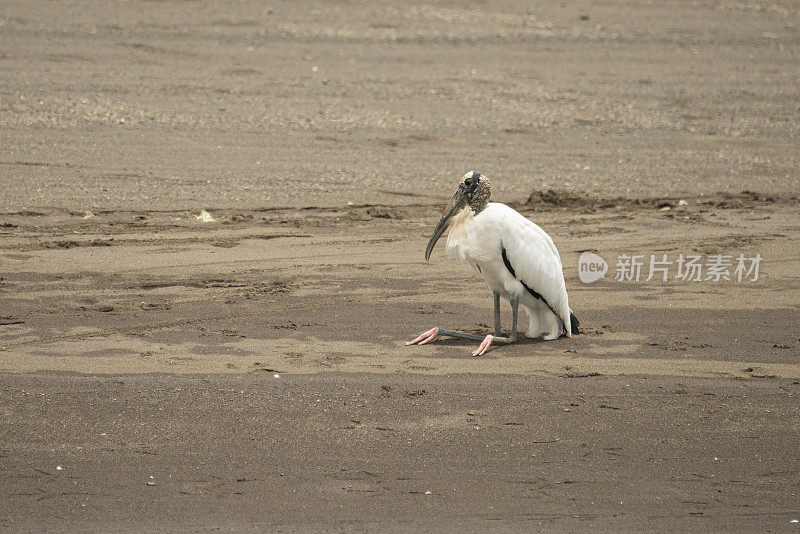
x,y
516,258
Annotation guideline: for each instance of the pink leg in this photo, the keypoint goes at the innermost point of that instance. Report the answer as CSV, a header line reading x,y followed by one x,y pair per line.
x,y
427,337
484,345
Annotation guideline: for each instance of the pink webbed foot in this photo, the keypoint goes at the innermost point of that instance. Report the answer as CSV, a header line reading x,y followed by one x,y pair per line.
x,y
484,346
427,337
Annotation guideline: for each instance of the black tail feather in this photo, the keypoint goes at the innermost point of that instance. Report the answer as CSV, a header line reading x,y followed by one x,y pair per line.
x,y
573,321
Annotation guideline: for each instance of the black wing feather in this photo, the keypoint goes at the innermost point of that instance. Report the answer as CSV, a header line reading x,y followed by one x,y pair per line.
x,y
533,293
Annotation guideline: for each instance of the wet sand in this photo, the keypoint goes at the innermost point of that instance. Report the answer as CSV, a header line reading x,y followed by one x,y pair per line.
x,y
136,341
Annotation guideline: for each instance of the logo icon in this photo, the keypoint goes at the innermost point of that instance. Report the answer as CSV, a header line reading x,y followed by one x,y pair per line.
x,y
591,267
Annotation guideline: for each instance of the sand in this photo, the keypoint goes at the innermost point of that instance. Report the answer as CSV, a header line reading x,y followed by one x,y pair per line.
x,y
255,366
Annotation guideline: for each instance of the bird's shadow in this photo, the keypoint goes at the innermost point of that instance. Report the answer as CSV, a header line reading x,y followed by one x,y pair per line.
x,y
460,342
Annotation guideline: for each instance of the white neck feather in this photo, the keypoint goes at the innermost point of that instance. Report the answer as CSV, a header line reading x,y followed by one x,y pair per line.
x,y
457,246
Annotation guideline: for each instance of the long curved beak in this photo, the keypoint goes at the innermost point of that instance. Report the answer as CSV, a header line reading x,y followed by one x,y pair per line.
x,y
455,204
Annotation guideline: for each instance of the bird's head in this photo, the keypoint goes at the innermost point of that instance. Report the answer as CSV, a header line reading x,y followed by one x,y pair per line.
x,y
473,192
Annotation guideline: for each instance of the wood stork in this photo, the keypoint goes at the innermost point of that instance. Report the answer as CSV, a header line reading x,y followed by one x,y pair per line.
x,y
517,259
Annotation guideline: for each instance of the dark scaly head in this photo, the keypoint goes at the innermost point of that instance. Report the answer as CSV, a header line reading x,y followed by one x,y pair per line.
x,y
473,192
